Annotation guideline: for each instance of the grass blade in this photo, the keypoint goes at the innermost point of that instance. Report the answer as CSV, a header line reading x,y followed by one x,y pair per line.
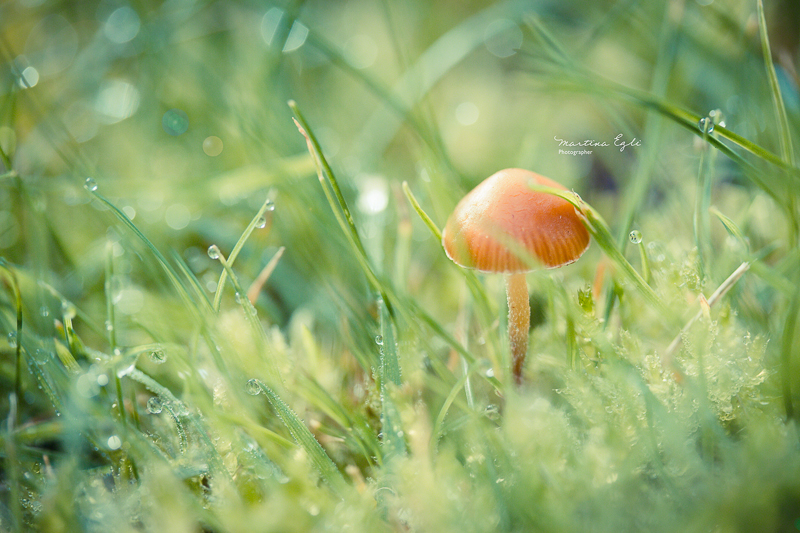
x,y
303,437
254,223
393,442
339,206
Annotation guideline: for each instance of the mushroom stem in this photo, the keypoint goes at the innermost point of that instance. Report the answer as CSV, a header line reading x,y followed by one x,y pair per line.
x,y
519,321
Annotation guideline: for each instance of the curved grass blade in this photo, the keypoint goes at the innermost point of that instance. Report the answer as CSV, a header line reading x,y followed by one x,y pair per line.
x,y
339,205
477,289
305,439
255,222
273,374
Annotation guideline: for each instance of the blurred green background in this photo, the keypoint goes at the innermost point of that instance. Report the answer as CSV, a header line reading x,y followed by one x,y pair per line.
x,y
178,112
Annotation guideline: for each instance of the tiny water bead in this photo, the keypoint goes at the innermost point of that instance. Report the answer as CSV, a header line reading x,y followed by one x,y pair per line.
x,y
44,311
90,184
261,222
12,339
213,251
706,125
269,205
155,405
114,442
635,237
379,340
158,356
252,387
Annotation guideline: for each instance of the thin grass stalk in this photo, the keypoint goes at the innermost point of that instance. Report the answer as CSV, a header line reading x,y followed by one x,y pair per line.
x,y
339,207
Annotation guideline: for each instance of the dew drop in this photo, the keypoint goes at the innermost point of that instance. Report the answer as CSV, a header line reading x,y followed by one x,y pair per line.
x,y
213,251
68,310
40,356
114,442
490,372
252,387
261,222
155,405
379,340
12,339
158,356
90,184
635,237
269,206
706,125
44,311
102,380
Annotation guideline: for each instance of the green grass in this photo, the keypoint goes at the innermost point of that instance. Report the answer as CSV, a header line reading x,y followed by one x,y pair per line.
x,y
270,337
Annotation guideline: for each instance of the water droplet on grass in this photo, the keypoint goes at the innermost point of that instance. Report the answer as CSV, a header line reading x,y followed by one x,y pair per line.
x,y
379,340
706,125
158,356
114,442
213,251
90,184
12,339
44,311
252,387
635,237
155,405
261,222
269,206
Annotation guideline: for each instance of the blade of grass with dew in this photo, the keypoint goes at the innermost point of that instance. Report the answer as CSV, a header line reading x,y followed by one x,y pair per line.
x,y
272,373
172,275
394,444
164,393
111,326
255,222
305,439
339,206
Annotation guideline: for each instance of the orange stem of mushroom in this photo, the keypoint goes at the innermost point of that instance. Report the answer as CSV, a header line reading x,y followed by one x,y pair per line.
x,y
519,321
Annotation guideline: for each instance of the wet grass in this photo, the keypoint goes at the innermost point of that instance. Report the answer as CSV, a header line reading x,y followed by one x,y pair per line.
x,y
225,304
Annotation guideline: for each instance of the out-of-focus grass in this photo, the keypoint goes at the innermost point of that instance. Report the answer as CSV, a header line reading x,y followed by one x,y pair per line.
x,y
365,387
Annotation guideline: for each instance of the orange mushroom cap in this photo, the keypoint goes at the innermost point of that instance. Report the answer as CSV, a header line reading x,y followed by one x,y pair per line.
x,y
501,225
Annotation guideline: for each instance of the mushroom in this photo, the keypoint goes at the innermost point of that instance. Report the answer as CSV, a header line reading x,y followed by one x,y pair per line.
x,y
503,225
